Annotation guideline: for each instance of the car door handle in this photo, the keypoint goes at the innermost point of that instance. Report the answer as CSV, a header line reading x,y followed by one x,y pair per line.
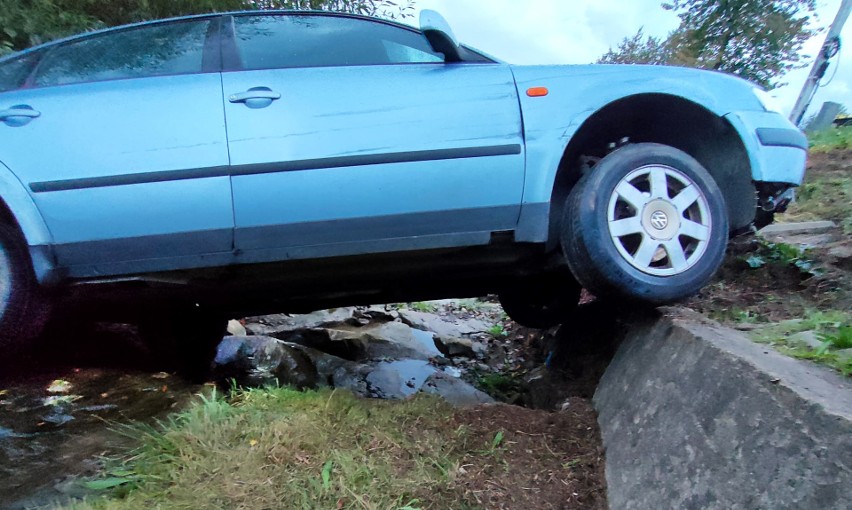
x,y
18,115
254,93
18,112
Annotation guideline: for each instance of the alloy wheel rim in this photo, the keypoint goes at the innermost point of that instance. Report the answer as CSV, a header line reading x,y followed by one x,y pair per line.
x,y
659,221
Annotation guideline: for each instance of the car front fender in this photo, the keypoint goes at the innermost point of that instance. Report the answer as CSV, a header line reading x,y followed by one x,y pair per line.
x,y
32,225
576,93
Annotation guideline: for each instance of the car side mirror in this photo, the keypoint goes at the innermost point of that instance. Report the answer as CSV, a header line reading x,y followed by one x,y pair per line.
x,y
440,35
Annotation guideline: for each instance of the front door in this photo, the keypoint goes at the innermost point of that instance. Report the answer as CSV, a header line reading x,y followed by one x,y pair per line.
x,y
352,135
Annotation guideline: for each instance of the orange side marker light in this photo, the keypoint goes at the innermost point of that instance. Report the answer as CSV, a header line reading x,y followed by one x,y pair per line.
x,y
537,91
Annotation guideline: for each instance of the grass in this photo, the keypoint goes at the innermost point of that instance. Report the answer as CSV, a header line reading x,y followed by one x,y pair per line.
x,y
826,193
281,448
423,306
833,328
503,387
831,139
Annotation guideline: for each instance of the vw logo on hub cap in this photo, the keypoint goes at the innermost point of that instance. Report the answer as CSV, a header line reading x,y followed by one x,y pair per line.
x,y
659,220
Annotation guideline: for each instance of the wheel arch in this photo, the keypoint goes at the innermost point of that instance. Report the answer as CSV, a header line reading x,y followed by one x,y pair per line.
x,y
670,120
18,209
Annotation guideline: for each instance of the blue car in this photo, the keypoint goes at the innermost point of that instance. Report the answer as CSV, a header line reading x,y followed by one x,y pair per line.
x,y
248,162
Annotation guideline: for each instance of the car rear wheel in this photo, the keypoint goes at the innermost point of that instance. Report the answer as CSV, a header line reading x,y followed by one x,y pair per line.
x,y
541,301
23,307
648,222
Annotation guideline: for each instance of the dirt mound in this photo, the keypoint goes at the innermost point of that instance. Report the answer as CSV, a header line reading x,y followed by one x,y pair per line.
x,y
549,460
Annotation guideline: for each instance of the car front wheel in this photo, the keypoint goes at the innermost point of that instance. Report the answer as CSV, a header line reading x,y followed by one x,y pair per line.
x,y
648,222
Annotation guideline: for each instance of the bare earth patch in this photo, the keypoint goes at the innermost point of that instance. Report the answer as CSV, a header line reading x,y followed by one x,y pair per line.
x,y
548,460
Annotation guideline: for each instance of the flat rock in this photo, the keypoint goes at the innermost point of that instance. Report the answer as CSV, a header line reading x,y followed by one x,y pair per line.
x,y
455,391
398,379
387,340
271,325
443,327
808,339
804,227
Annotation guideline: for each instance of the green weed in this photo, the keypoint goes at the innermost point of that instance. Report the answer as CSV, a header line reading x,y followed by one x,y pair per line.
x,y
497,330
783,253
423,306
831,139
833,328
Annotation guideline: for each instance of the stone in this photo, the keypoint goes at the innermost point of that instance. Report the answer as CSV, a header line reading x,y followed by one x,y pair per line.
x,y
377,313
807,227
809,339
235,328
262,361
841,255
455,391
694,415
388,340
479,349
271,325
443,327
843,354
398,379
454,346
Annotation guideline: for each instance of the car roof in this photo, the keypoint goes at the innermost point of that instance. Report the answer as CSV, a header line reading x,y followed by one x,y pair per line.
x,y
211,15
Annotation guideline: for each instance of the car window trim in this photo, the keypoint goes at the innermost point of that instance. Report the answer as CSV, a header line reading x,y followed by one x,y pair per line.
x,y
28,83
231,61
211,53
211,43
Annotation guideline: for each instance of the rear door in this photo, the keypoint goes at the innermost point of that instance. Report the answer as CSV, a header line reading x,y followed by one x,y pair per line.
x,y
346,131
121,139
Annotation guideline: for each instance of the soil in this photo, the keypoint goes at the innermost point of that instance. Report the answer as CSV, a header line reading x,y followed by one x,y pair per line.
x,y
779,290
548,460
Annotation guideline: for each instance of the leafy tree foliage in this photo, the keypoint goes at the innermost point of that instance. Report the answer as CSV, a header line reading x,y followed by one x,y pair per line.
x,y
24,23
639,49
759,40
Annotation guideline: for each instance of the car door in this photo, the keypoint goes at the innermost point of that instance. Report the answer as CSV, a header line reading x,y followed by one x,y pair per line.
x,y
348,132
120,137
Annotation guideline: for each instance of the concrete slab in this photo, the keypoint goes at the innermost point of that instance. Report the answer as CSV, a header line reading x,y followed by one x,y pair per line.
x,y
694,415
809,227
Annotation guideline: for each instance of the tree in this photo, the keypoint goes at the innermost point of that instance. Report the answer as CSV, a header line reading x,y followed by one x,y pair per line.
x,y
639,50
759,40
24,23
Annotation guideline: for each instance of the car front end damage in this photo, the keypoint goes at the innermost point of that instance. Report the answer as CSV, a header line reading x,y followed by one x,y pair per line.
x,y
777,155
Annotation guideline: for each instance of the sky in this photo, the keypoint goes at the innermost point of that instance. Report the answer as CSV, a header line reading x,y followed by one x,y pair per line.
x,y
580,31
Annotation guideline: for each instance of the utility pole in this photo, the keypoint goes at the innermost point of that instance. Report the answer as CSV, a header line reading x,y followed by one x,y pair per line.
x,y
828,50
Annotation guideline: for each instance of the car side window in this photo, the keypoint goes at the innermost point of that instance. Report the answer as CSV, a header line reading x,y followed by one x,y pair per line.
x,y
151,50
14,72
287,41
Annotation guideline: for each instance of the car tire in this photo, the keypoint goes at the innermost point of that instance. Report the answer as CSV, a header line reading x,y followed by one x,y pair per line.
x,y
646,223
24,309
184,339
541,301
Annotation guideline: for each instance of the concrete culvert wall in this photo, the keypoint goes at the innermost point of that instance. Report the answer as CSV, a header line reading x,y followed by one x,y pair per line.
x,y
694,415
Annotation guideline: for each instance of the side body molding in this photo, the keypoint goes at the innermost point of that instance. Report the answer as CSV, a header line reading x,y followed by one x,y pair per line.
x,y
29,218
